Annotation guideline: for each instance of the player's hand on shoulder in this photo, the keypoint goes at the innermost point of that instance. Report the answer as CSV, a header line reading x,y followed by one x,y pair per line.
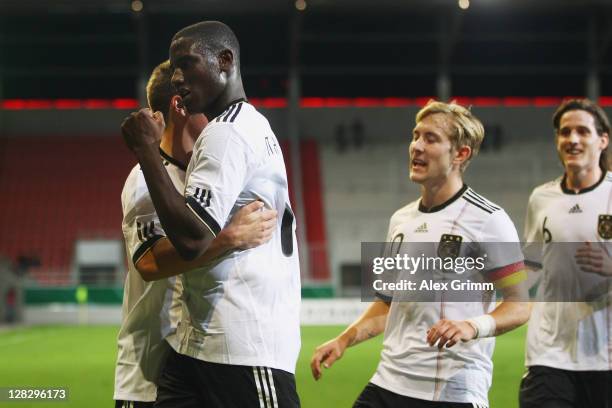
x,y
143,129
252,225
326,355
593,259
450,332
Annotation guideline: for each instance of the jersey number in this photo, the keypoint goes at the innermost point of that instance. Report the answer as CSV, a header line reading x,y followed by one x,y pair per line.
x,y
396,244
287,232
546,232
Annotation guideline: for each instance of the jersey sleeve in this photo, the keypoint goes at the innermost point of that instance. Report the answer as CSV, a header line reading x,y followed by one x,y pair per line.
x,y
504,261
533,235
141,226
219,173
144,232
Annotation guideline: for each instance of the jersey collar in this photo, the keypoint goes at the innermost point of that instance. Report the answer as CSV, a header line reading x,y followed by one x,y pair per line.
x,y
172,160
584,190
235,101
229,105
445,204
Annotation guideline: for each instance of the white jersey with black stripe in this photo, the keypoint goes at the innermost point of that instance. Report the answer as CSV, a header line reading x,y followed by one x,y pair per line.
x,y
244,309
151,310
568,335
462,373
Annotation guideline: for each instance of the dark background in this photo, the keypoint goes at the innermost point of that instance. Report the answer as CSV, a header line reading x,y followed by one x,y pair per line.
x,y
100,49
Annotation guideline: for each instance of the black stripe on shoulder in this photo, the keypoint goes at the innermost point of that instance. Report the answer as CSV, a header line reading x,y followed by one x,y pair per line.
x,y
144,247
483,200
239,106
218,118
204,216
229,113
477,204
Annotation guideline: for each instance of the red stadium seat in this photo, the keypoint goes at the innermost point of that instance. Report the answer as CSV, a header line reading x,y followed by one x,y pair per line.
x,y
56,189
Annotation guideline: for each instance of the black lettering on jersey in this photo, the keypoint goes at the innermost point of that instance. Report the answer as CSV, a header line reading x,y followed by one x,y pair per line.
x,y
546,232
604,226
203,196
145,231
449,246
271,147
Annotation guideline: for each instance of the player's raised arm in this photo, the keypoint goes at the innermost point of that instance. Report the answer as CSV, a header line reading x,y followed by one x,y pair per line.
x,y
142,133
250,227
370,324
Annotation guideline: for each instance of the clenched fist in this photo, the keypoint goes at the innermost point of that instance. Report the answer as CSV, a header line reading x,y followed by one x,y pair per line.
x,y
143,129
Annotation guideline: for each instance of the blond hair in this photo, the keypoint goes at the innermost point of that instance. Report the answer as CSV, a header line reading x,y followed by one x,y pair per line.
x,y
467,128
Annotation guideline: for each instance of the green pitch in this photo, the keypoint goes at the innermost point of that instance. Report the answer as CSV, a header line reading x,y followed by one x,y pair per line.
x,y
82,360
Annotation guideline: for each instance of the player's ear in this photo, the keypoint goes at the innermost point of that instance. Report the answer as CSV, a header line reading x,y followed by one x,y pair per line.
x,y
462,154
226,60
605,140
176,104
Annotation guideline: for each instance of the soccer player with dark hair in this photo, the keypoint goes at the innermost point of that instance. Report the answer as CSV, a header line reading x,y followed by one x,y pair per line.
x,y
240,344
438,353
151,305
568,236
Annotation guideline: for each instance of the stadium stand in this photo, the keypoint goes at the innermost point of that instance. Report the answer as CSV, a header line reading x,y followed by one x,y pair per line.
x,y
63,188
59,189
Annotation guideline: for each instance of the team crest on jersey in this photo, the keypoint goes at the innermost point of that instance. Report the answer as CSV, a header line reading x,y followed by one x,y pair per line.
x,y
604,226
449,246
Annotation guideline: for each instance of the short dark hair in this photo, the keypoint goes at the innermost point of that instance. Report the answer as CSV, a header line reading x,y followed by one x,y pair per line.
x,y
160,90
212,36
600,118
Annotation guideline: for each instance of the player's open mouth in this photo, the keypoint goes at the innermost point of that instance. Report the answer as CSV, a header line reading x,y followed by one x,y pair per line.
x,y
572,152
418,163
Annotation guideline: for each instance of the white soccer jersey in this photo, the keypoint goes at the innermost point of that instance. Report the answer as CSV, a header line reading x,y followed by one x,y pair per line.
x,y
408,365
151,310
568,335
243,310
